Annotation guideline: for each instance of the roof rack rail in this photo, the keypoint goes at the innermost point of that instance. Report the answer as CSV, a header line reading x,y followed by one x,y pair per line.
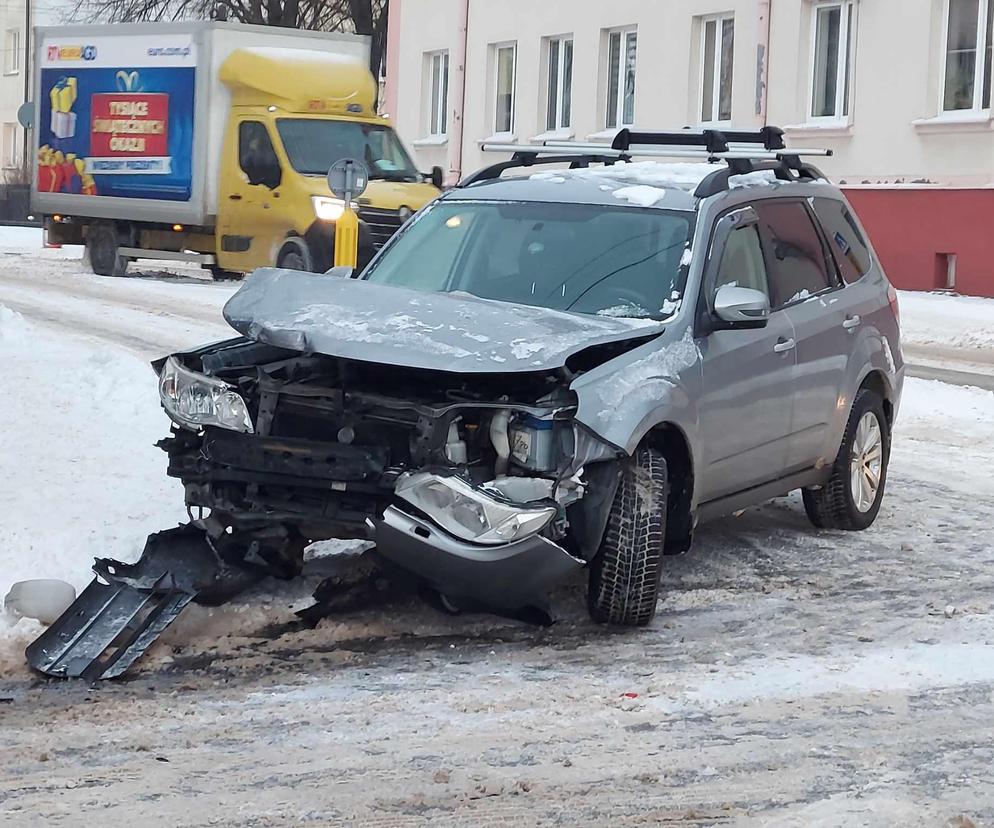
x,y
785,168
529,155
714,140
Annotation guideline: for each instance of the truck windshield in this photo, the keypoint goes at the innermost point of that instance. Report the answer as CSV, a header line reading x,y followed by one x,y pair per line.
x,y
314,144
609,261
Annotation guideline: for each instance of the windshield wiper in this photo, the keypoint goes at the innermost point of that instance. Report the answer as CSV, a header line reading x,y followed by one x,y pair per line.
x,y
393,176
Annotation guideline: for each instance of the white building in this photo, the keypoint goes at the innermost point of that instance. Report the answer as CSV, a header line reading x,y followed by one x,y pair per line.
x,y
900,90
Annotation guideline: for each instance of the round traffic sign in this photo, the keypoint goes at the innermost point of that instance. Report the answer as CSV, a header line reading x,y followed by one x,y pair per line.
x,y
348,178
26,115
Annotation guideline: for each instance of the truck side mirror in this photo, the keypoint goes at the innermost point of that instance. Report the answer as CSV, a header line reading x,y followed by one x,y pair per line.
x,y
437,177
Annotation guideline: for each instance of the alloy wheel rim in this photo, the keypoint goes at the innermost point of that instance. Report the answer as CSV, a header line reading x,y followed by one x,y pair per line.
x,y
866,463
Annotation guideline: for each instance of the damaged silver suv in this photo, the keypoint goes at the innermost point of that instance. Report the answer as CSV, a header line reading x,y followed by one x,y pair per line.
x,y
538,374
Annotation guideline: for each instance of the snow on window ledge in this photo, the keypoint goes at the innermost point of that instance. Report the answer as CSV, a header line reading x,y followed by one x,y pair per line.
x,y
431,141
553,135
828,128
966,120
499,138
605,135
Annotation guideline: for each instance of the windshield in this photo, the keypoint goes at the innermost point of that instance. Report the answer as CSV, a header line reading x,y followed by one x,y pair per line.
x,y
314,144
610,261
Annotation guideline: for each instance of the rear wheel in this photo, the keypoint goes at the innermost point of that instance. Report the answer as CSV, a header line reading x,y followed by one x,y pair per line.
x,y
219,274
851,497
624,576
295,255
102,245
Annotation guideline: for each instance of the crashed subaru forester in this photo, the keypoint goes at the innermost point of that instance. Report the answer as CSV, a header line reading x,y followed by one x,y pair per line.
x,y
538,374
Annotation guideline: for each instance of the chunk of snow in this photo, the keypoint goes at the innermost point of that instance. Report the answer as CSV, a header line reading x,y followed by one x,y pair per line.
x,y
551,177
640,194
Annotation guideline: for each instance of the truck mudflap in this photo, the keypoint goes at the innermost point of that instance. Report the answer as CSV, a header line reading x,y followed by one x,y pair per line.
x,y
128,606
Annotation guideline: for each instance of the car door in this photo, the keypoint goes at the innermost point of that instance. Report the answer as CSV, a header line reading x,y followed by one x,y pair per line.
x,y
806,288
251,223
747,385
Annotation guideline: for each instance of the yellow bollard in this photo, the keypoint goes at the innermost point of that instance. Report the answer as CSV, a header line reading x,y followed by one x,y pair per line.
x,y
347,239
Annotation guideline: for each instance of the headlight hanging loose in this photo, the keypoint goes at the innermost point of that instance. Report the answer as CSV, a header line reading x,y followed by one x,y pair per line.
x,y
469,513
195,400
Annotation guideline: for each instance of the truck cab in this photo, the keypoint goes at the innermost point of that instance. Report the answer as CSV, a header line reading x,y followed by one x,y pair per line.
x,y
287,125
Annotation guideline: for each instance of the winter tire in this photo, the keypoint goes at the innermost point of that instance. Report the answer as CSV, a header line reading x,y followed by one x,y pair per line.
x,y
624,575
851,497
102,245
295,255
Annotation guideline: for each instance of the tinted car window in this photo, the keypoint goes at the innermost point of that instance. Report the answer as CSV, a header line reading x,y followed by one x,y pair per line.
x,y
256,155
742,261
847,244
796,256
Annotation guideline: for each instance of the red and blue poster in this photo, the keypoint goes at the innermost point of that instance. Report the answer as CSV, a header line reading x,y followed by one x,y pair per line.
x,y
116,117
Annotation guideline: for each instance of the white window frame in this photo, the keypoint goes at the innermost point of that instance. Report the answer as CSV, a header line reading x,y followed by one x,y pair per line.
x,y
10,140
843,95
560,124
719,21
438,94
497,48
978,107
619,105
12,52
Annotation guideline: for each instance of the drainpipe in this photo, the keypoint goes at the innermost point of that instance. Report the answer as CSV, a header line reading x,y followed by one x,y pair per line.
x,y
763,61
393,59
458,68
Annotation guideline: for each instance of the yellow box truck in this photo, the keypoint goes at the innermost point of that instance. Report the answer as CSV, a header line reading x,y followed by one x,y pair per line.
x,y
209,142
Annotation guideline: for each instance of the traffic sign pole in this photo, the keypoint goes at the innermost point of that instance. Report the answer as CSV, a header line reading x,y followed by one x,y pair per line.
x,y
347,179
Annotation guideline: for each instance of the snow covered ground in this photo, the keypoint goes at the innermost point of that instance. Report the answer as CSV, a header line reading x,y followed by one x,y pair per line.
x,y
791,677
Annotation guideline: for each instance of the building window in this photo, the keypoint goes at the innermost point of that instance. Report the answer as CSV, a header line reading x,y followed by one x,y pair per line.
x,y
11,142
832,61
11,52
621,53
969,36
718,52
505,57
560,83
438,93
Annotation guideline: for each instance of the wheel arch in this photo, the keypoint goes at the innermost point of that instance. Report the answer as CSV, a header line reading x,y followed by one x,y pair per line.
x,y
671,441
876,381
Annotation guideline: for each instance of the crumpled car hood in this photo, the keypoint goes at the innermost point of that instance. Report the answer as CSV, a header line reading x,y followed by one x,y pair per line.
x,y
353,319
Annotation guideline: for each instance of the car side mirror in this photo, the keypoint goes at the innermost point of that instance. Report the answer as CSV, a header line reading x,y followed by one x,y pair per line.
x,y
741,307
342,271
437,177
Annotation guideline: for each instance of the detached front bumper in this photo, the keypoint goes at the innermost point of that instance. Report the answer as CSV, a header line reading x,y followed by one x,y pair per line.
x,y
506,577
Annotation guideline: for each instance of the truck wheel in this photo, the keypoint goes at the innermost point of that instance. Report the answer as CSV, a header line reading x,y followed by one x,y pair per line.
x,y
295,255
624,575
219,274
851,497
101,250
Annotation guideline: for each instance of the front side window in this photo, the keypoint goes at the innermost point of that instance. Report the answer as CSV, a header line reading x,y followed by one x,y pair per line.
x,y
832,60
716,74
621,55
581,258
559,102
742,261
798,268
314,144
504,98
12,52
438,93
256,155
969,36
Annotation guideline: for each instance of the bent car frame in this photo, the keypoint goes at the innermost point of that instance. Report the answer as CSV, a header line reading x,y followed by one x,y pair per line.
x,y
538,374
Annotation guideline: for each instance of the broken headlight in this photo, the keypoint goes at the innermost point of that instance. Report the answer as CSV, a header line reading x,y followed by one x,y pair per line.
x,y
471,514
194,400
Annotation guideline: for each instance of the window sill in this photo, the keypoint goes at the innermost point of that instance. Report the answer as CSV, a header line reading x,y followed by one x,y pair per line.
x,y
823,129
553,135
605,135
431,141
10,73
499,138
970,122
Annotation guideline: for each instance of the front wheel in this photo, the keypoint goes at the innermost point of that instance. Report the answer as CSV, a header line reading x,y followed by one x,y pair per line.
x,y
851,497
102,244
624,575
295,255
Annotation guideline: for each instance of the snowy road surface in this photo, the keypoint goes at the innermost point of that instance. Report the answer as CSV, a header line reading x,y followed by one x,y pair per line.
x,y
791,677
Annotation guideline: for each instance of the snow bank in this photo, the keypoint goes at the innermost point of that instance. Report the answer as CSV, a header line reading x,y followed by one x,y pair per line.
x,y
79,474
967,410
948,321
16,240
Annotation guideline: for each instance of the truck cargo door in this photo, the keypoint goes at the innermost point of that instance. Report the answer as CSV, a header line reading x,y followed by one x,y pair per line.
x,y
252,225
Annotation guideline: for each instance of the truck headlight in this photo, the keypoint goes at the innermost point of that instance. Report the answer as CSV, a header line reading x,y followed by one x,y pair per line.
x,y
194,400
470,513
329,209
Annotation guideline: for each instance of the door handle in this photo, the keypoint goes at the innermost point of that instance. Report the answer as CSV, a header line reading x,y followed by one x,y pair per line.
x,y
851,322
783,345
235,197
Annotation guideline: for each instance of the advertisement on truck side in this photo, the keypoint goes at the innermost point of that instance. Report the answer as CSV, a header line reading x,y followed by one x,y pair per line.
x,y
116,118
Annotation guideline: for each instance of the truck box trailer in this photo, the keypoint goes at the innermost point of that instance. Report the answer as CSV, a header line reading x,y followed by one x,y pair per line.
x,y
209,142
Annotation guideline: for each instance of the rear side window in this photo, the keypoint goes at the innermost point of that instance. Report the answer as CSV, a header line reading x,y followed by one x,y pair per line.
x,y
796,256
849,248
